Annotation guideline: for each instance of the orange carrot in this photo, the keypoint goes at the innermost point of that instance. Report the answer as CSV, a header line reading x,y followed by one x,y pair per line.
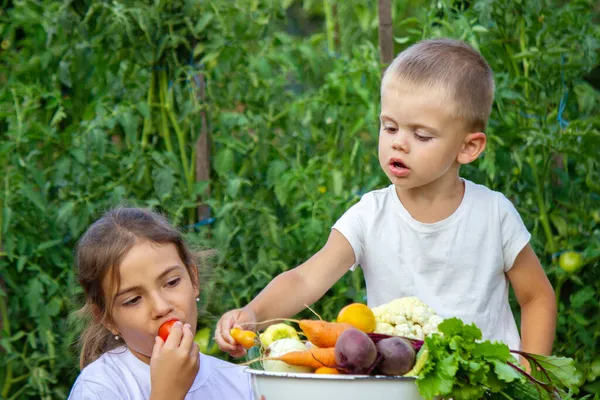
x,y
322,333
314,357
327,371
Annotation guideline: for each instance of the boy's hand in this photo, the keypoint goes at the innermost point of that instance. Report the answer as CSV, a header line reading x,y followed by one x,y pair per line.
x,y
240,317
174,363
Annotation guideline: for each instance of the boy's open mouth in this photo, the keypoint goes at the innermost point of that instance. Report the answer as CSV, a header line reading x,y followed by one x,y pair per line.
x,y
398,168
398,164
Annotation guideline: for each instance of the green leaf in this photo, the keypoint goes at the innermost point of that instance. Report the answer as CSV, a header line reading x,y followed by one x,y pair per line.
x,y
505,372
203,22
489,350
164,181
337,183
48,244
561,368
455,327
440,380
59,115
401,40
224,161
34,195
21,263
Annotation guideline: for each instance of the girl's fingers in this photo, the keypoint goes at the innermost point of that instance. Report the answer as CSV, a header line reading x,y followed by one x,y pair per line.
x,y
175,335
188,338
158,344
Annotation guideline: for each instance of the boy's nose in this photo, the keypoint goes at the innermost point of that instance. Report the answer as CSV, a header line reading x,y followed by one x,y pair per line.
x,y
400,142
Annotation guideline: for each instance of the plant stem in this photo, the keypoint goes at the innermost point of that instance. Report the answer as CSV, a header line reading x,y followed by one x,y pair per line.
x,y
525,60
330,24
162,90
539,194
18,393
558,289
182,151
6,325
19,117
148,120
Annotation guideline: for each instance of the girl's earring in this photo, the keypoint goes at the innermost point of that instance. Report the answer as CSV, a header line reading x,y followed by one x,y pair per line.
x,y
117,338
197,299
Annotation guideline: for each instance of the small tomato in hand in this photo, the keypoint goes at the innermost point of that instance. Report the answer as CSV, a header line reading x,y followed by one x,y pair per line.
x,y
165,329
570,261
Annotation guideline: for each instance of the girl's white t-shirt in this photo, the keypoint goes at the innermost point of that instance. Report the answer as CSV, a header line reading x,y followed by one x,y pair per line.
x,y
118,374
457,266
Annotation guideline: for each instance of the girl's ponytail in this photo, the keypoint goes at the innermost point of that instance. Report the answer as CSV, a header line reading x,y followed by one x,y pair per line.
x,y
95,339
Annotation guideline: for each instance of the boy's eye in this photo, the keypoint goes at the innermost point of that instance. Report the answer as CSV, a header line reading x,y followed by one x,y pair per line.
x,y
422,138
173,282
133,301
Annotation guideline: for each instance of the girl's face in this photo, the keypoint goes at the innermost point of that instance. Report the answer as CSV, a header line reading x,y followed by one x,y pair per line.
x,y
155,287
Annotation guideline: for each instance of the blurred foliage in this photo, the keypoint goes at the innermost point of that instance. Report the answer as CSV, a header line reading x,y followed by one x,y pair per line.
x,y
100,105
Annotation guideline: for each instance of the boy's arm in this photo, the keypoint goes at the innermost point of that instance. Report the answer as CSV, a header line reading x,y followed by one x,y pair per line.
x,y
537,301
289,293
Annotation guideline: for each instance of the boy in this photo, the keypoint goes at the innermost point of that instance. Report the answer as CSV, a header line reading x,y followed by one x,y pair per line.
x,y
454,244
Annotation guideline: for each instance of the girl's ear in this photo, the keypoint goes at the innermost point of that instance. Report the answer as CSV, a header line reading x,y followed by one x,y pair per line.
x,y
472,147
195,279
97,314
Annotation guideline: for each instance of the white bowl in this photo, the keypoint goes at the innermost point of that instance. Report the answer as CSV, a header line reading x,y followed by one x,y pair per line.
x,y
302,386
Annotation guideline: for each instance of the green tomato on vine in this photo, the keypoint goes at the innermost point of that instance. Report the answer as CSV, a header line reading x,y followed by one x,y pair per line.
x,y
570,261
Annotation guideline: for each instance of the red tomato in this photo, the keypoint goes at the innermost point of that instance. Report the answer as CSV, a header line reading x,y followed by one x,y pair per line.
x,y
165,329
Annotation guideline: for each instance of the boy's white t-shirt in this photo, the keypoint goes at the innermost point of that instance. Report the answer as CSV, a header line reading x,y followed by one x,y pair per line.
x,y
456,266
118,374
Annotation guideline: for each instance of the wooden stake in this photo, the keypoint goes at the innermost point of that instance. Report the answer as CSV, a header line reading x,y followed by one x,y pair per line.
x,y
386,34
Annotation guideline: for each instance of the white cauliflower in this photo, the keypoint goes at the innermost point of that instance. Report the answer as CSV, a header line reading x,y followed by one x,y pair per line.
x,y
406,316
383,327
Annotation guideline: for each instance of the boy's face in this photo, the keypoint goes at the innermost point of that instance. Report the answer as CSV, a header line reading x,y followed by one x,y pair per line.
x,y
419,138
155,287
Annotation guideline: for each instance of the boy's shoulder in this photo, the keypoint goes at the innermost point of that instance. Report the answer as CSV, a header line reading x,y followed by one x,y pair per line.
x,y
484,195
377,196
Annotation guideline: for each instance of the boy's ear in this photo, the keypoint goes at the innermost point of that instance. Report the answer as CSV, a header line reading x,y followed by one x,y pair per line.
x,y
473,145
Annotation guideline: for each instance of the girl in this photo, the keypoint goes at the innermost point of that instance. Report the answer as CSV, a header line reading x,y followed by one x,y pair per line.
x,y
137,273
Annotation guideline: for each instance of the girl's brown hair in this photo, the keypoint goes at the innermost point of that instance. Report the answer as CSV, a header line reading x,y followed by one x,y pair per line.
x,y
100,252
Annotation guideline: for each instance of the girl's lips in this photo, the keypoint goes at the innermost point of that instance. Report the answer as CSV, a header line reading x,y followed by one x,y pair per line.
x,y
398,169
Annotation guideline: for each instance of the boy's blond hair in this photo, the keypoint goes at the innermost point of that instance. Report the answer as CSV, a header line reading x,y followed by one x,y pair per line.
x,y
457,68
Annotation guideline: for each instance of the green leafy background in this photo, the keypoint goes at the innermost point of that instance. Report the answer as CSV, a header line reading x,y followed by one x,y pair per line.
x,y
100,105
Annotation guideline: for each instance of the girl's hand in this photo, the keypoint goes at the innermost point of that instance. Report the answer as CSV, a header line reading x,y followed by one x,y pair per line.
x,y
174,363
241,317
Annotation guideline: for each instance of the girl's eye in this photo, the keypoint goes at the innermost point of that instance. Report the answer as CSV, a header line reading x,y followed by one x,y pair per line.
x,y
389,129
422,138
133,301
173,282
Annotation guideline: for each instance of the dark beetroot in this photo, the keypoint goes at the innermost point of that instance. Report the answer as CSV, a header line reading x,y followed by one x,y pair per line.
x,y
355,352
397,356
